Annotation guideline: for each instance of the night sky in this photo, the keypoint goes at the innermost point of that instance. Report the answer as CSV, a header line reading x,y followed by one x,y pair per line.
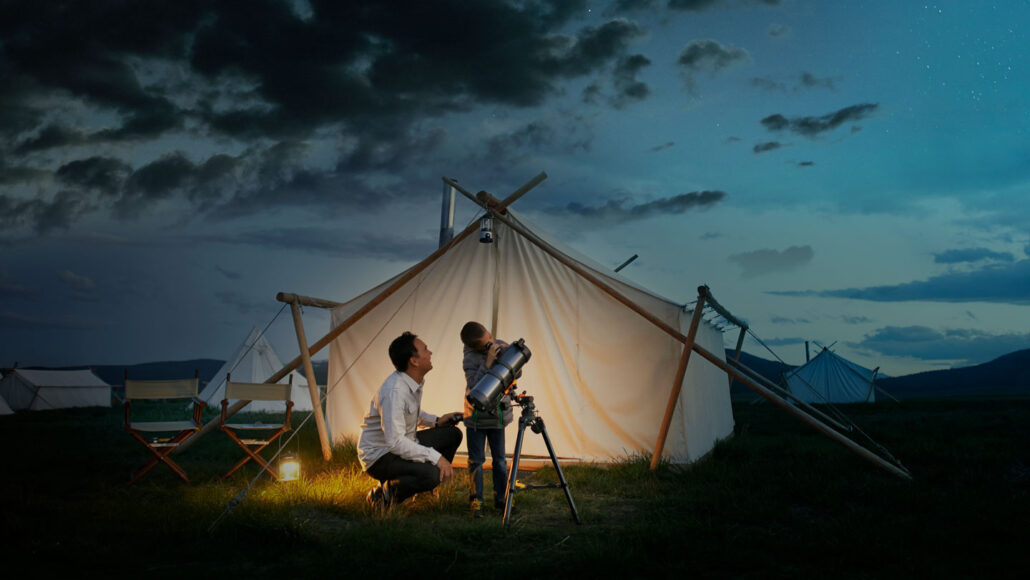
x,y
849,173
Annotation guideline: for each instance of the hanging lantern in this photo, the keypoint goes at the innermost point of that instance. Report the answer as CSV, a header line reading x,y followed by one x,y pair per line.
x,y
486,229
289,467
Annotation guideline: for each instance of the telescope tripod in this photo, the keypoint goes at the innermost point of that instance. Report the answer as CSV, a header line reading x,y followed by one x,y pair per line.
x,y
530,419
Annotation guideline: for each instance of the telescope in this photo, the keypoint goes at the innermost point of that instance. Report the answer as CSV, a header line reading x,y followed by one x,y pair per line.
x,y
500,376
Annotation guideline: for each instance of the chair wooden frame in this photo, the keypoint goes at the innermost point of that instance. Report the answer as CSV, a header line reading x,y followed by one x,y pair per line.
x,y
172,433
253,445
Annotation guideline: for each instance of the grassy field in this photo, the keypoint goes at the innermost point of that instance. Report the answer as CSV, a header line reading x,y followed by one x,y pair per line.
x,y
777,500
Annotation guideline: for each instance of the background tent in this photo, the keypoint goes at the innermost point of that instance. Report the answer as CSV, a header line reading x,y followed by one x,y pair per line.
x,y
830,378
5,409
253,362
601,374
39,390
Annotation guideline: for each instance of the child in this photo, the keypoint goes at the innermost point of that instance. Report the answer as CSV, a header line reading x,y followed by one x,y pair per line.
x,y
482,427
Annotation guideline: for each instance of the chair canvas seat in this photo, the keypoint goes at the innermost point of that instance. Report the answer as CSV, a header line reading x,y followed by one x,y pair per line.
x,y
158,426
255,426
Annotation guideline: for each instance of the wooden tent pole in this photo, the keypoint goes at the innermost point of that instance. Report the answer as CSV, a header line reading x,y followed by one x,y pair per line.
x,y
309,371
677,385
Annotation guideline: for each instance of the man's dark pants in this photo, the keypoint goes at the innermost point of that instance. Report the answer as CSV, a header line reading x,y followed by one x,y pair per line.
x,y
406,478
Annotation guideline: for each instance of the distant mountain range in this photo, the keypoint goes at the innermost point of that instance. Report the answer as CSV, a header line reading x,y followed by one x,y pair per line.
x,y
1005,376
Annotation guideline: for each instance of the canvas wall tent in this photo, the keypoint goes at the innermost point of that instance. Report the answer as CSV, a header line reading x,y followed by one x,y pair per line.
x,y
600,372
830,378
39,390
254,361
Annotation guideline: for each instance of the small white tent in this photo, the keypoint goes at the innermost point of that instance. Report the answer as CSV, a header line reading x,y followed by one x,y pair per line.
x,y
39,390
830,378
255,361
601,373
5,409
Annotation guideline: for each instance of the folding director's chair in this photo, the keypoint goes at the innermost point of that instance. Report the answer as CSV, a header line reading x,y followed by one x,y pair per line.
x,y
162,437
260,434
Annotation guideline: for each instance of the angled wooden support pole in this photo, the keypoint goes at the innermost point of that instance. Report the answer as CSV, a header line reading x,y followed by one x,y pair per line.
x,y
803,416
677,386
309,372
491,203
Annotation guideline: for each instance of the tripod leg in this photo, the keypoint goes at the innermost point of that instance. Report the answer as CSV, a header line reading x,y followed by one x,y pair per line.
x,y
509,497
557,467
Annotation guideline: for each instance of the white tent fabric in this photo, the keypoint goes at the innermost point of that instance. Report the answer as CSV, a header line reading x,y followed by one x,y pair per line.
x,y
39,390
830,378
5,409
254,362
600,373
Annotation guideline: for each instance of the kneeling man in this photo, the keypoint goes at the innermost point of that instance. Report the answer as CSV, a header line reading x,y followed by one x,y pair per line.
x,y
391,449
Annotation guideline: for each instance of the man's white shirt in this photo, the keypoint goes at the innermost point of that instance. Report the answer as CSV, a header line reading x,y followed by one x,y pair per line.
x,y
394,416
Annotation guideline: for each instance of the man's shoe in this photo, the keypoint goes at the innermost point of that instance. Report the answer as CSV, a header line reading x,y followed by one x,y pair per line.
x,y
476,508
380,497
374,498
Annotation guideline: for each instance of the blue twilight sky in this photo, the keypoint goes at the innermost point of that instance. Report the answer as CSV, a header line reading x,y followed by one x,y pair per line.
x,y
841,172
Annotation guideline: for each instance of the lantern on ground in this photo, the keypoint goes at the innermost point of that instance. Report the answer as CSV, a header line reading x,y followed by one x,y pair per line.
x,y
289,467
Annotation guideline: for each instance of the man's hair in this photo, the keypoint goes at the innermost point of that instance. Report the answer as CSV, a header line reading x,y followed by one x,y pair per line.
x,y
471,333
402,349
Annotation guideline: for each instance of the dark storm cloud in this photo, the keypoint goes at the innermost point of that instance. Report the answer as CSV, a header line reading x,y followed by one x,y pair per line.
x,y
263,71
1000,283
811,81
617,210
175,175
103,174
804,81
50,137
964,345
625,6
43,215
971,255
813,126
708,56
628,88
13,174
767,146
769,261
383,245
